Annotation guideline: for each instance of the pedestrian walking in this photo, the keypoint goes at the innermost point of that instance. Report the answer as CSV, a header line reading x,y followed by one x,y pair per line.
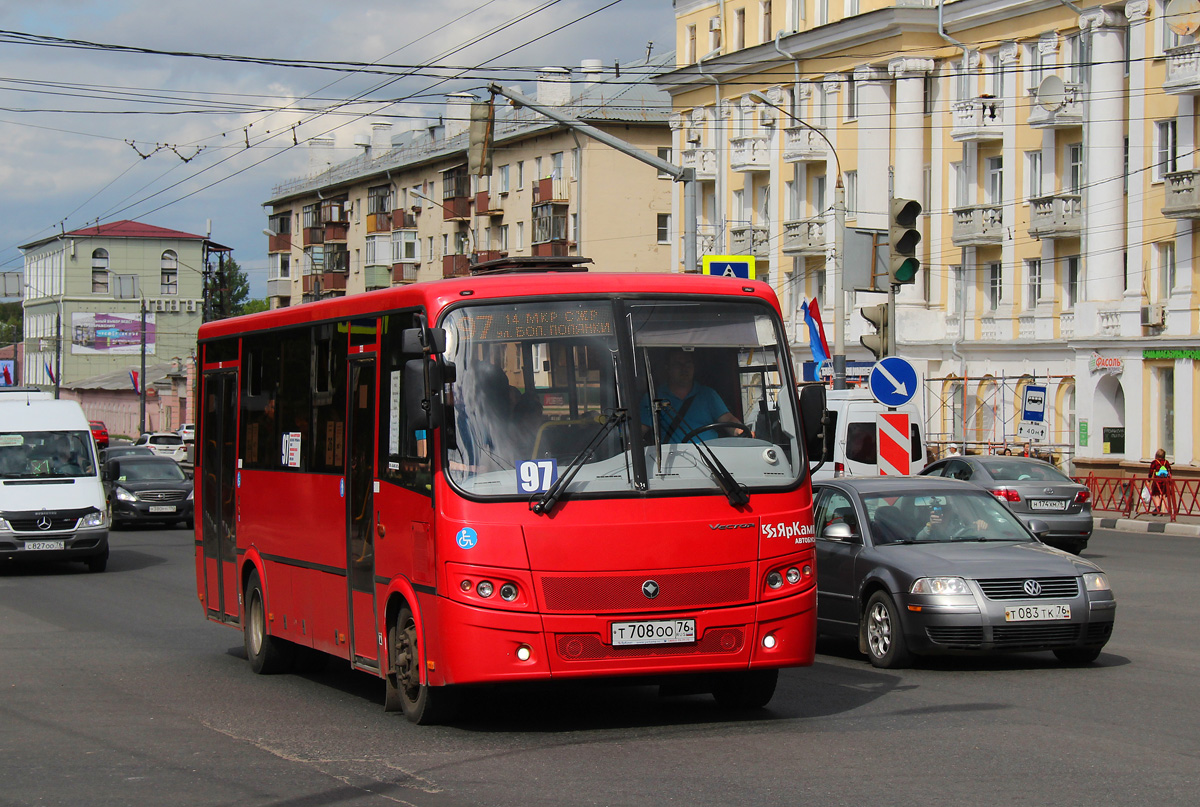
x,y
1160,481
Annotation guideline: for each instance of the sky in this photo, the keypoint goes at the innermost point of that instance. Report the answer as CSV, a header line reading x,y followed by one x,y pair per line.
x,y
94,127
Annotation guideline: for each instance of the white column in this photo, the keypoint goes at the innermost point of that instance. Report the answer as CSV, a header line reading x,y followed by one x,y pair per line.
x,y
1137,14
1104,205
874,108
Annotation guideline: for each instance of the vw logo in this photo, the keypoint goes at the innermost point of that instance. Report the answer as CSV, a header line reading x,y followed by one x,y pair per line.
x,y
1033,588
650,589
43,523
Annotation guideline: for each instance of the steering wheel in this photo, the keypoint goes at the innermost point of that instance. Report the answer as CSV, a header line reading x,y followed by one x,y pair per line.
x,y
721,424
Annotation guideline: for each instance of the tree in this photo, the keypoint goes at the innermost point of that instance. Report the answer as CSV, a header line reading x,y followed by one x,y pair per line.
x,y
254,306
11,328
230,290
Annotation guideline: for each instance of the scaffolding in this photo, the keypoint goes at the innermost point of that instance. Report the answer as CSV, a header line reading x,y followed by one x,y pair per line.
x,y
986,422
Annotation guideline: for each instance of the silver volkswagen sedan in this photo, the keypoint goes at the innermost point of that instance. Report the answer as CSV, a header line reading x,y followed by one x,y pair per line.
x,y
925,565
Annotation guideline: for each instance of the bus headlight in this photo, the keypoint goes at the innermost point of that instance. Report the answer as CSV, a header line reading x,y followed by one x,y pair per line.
x,y
508,592
774,580
484,589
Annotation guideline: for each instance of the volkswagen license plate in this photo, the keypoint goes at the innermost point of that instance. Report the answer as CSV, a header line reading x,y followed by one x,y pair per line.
x,y
1037,613
162,508
1047,504
658,631
34,546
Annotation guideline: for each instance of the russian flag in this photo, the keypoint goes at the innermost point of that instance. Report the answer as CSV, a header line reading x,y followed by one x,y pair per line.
x,y
133,377
816,340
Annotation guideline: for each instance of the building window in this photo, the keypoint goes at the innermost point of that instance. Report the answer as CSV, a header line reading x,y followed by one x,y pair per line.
x,y
1071,283
739,29
928,93
997,76
1033,174
956,290
502,179
1166,269
377,250
714,33
169,264
1036,65
851,98
520,235
281,266
995,180
961,198
312,216
1166,408
520,174
764,16
100,271
379,199
406,246
851,8
1075,167
280,223
664,154
995,290
1166,143
664,228
1033,273
502,234
851,194
689,53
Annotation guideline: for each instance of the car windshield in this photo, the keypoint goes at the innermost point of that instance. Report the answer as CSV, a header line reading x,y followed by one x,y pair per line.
x,y
543,388
1021,471
134,470
46,454
940,517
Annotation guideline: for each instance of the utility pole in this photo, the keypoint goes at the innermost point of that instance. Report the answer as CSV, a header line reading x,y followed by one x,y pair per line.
x,y
142,377
685,175
839,294
58,350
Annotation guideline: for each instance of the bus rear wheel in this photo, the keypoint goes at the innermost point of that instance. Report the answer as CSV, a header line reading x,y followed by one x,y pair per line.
x,y
267,654
404,692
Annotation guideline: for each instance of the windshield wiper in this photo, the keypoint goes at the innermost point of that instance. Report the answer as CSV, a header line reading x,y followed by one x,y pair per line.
x,y
546,503
734,492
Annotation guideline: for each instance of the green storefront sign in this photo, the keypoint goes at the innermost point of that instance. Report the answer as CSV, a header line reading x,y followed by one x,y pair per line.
x,y
1083,433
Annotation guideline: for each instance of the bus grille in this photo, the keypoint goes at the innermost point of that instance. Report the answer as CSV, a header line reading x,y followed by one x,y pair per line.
x,y
589,646
623,592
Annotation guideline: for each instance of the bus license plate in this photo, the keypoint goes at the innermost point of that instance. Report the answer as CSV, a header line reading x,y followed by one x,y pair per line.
x,y
34,546
658,631
1037,613
162,508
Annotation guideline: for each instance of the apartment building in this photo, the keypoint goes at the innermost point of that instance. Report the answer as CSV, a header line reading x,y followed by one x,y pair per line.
x,y
1051,146
407,209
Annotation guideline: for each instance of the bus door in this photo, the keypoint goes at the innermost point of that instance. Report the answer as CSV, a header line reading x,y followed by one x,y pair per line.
x,y
218,465
360,513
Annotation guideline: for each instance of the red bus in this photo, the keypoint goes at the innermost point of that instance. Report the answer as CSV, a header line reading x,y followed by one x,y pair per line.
x,y
531,473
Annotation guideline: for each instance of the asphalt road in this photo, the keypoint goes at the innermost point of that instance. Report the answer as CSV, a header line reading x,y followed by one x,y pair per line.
x,y
115,690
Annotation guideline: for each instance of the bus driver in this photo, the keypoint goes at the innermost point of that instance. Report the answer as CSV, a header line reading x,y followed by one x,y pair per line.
x,y
688,405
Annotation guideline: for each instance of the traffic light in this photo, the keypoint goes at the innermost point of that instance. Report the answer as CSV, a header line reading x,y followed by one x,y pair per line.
x,y
876,342
903,238
480,143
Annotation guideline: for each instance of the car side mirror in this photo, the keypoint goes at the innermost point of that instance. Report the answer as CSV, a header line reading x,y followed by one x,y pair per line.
x,y
838,531
1039,528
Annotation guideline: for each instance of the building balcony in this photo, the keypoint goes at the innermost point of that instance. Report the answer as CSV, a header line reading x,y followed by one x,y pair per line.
x,y
280,243
377,277
488,204
404,220
329,281
379,222
1066,115
978,226
1059,216
750,153
978,119
456,265
313,235
702,161
456,208
804,237
336,233
550,190
405,272
749,239
1183,70
706,240
279,287
803,145
1183,197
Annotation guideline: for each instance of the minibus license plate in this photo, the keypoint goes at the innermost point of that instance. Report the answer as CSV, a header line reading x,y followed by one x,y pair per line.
x,y
162,508
34,546
1037,613
659,631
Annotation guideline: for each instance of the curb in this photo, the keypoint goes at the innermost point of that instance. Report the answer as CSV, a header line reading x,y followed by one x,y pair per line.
x,y
1133,525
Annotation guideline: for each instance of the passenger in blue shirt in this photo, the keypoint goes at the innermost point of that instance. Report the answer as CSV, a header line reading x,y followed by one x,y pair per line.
x,y
706,405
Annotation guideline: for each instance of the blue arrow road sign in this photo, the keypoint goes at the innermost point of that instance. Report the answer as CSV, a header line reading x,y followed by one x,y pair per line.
x,y
893,381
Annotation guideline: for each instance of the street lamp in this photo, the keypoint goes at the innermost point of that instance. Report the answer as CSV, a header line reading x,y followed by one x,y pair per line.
x,y
839,238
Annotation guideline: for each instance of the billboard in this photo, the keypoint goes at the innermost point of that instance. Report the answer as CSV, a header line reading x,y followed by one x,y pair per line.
x,y
8,373
110,334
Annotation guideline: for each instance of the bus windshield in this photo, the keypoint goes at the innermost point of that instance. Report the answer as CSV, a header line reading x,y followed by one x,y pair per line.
x,y
626,395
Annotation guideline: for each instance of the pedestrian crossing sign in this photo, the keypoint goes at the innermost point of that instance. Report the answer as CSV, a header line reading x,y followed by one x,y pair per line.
x,y
728,266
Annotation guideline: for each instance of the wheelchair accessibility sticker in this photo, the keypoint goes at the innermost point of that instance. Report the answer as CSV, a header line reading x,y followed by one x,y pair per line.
x,y
466,538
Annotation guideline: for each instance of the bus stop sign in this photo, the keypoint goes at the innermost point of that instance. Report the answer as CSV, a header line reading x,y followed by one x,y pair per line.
x,y
728,266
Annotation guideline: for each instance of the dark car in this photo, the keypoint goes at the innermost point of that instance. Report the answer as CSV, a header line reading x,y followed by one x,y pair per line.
x,y
1030,488
148,489
113,452
919,565
99,433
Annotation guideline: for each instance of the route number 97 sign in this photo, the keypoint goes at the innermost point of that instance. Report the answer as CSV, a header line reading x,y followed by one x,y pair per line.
x,y
536,476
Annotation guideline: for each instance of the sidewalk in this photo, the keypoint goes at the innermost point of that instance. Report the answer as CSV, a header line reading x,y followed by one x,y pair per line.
x,y
1184,525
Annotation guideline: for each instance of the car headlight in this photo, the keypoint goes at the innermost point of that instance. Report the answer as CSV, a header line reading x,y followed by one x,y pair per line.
x,y
124,495
940,585
192,494
4,526
1096,581
93,520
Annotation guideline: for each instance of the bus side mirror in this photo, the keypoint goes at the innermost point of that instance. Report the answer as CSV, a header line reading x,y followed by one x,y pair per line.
x,y
422,341
812,415
423,411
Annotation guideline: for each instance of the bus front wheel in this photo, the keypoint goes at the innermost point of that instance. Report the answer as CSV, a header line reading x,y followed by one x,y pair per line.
x,y
404,692
266,653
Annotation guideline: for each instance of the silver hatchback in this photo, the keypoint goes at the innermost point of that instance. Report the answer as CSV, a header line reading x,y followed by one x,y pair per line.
x,y
914,565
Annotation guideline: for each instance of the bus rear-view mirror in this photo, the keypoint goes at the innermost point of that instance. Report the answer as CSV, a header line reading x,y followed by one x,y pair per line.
x,y
812,414
423,411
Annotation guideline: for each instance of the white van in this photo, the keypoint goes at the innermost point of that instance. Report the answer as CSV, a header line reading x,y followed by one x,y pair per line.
x,y
852,418
52,504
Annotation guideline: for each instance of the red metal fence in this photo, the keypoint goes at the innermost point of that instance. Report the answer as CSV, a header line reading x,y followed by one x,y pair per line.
x,y
1124,494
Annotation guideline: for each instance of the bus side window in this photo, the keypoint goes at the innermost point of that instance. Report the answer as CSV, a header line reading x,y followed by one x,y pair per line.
x,y
405,454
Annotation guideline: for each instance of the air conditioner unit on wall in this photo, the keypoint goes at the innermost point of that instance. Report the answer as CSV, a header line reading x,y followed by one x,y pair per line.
x,y
714,24
1154,315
